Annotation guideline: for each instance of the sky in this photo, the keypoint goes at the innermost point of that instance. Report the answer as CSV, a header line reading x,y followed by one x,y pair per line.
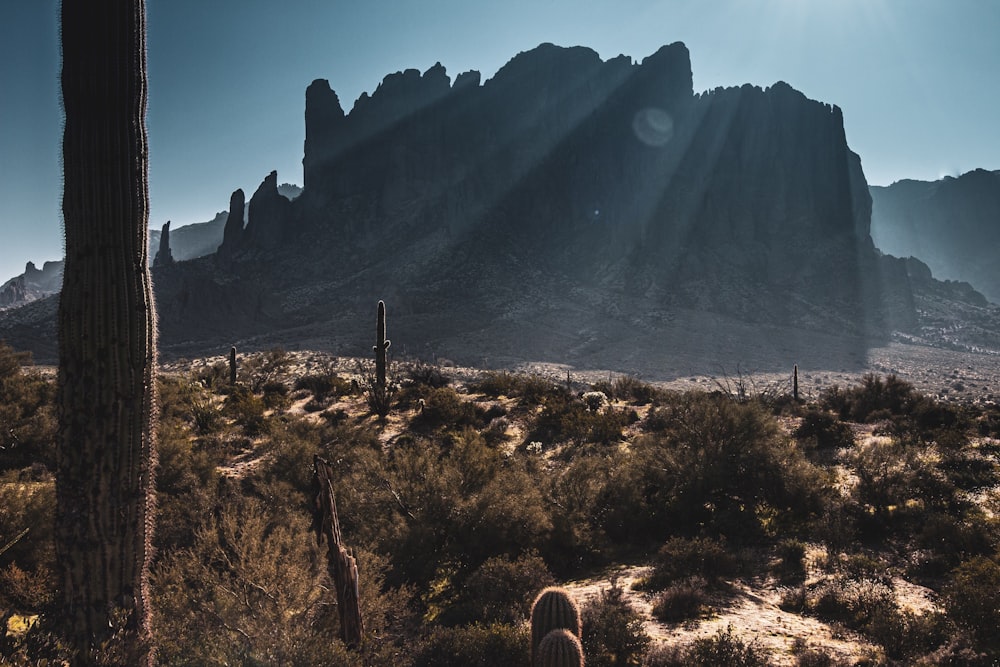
x,y
917,81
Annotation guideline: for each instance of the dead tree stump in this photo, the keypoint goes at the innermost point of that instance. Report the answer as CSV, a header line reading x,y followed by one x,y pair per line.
x,y
341,565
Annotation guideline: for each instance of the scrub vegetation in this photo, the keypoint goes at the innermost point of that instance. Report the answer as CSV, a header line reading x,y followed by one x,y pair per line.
x,y
471,495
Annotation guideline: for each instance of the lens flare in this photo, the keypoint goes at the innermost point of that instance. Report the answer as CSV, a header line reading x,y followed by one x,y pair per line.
x,y
653,127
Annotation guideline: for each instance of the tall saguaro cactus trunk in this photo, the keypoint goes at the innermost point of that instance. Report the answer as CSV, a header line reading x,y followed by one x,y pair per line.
x,y
107,346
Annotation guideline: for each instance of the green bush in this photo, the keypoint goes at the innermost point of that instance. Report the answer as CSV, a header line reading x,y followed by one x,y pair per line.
x,y
628,388
247,410
872,400
500,591
324,385
682,557
612,630
566,419
823,431
972,602
496,645
724,649
445,409
27,413
682,600
791,567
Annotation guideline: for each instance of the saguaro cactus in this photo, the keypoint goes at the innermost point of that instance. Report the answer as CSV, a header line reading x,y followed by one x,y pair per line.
x,y
381,346
105,453
379,391
232,366
553,609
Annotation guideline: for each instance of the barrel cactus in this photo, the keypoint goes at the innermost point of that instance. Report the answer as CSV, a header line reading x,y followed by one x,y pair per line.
x,y
559,648
553,609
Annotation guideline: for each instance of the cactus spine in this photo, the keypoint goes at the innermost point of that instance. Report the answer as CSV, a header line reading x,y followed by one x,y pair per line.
x,y
232,366
553,609
105,453
560,648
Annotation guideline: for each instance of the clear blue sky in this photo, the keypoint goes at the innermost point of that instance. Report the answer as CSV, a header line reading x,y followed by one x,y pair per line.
x,y
917,80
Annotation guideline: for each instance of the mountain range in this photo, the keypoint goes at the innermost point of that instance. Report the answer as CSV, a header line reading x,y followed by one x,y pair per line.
x,y
569,209
952,224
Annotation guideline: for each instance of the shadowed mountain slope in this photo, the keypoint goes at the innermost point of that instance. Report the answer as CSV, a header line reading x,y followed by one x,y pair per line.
x,y
568,209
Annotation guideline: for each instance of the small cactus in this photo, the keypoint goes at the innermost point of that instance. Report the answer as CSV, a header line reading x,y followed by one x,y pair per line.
x,y
553,609
559,648
232,366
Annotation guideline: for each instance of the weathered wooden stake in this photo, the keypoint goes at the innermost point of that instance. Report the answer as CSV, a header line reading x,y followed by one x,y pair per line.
x,y
342,566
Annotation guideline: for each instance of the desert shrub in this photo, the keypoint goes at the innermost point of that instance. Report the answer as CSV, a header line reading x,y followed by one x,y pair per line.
x,y
971,600
425,375
967,468
682,557
495,384
724,649
577,488
186,478
464,502
987,422
823,431
612,630
719,467
443,408
682,600
247,410
810,656
262,368
528,389
27,413
478,645
735,471
891,473
791,566
214,377
248,590
500,591
948,540
275,395
27,516
657,419
27,591
567,419
872,400
628,388
324,385
869,606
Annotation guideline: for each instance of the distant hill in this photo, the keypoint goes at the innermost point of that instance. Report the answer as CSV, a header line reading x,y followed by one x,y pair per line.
x,y
203,238
952,224
571,210
31,285
187,242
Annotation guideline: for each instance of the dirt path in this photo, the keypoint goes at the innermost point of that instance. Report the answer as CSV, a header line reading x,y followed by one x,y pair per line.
x,y
752,612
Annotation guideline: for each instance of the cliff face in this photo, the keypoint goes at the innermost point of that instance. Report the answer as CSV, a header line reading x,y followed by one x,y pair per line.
x,y
31,285
953,225
567,209
745,201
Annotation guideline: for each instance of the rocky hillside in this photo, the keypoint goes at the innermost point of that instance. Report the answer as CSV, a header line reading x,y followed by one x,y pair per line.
x,y
952,224
568,209
31,285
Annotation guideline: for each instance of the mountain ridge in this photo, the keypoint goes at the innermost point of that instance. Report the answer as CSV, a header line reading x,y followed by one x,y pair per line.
x,y
567,209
